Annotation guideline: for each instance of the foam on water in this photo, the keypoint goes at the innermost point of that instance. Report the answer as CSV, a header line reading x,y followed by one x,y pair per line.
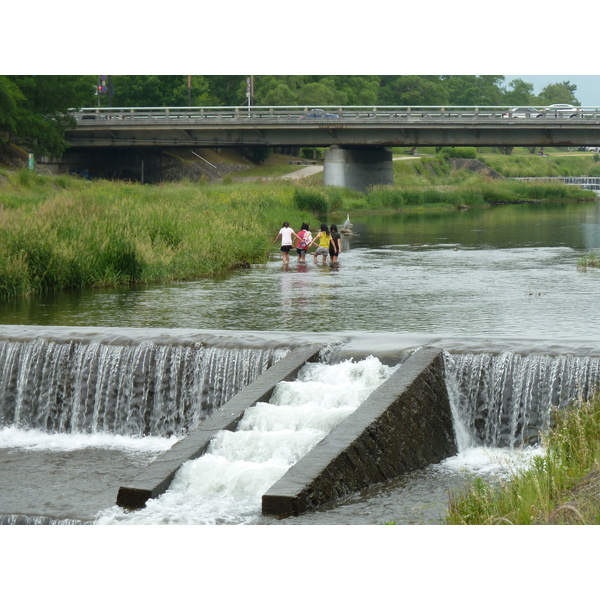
x,y
499,462
226,484
34,439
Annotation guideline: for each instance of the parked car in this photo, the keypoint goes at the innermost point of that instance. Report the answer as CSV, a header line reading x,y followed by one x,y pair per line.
x,y
522,112
319,113
562,110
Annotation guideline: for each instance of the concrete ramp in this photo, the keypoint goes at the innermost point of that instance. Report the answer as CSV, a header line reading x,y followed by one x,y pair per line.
x,y
404,425
157,476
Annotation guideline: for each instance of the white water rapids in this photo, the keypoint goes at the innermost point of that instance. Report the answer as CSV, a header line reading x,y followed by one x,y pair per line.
x,y
225,485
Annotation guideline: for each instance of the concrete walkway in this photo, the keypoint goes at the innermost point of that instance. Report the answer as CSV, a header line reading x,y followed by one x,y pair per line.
x,y
301,173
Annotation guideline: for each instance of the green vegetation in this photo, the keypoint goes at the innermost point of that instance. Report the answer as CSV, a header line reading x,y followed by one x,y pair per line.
x,y
560,486
431,181
34,109
552,165
590,260
65,232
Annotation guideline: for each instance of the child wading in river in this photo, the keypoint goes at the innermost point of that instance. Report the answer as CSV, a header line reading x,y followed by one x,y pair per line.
x,y
286,233
304,239
322,240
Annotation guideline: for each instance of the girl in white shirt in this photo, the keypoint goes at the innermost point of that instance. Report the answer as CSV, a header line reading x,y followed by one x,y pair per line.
x,y
286,233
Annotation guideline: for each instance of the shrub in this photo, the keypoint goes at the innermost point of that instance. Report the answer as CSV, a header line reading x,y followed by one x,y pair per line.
x,y
466,152
312,200
312,153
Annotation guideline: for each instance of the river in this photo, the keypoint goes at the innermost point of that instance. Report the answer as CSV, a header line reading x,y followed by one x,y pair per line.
x,y
497,279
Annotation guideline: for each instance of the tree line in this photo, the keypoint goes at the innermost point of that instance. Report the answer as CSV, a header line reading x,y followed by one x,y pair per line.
x,y
34,109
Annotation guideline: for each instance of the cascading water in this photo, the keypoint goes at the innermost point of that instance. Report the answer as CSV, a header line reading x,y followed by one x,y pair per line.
x,y
506,400
134,389
226,484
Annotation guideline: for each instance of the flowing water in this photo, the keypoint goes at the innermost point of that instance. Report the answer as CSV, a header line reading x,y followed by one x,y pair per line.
x,y
497,288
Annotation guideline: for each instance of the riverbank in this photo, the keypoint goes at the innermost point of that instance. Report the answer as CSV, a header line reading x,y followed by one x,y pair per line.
x,y
64,232
561,486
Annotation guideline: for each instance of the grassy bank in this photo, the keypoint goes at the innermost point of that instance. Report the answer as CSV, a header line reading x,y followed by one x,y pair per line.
x,y
551,165
64,232
560,486
431,181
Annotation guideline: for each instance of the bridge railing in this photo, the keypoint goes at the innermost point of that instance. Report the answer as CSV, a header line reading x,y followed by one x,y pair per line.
x,y
312,114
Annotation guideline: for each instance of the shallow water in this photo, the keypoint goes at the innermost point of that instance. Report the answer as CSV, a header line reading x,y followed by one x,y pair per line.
x,y
501,272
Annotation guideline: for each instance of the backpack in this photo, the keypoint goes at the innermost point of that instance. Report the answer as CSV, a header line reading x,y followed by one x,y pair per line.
x,y
306,238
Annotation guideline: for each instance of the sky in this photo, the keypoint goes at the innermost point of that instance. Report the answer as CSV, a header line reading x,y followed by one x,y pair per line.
x,y
588,86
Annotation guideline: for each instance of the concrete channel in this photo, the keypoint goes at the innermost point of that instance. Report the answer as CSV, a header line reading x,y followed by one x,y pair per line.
x,y
158,475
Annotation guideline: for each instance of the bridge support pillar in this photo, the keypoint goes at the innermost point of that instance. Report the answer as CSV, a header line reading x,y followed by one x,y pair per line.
x,y
358,168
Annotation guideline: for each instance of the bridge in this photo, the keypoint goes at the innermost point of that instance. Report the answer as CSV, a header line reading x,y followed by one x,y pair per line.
x,y
356,136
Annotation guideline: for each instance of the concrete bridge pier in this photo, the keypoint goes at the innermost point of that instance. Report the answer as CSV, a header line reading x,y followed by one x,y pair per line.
x,y
358,167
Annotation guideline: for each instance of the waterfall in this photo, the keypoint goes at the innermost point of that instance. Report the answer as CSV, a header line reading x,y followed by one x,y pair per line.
x,y
506,400
134,389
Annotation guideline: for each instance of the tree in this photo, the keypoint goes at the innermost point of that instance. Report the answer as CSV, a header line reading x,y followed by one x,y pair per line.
x,y
412,90
38,108
355,90
10,98
519,93
226,90
474,90
317,93
159,90
559,93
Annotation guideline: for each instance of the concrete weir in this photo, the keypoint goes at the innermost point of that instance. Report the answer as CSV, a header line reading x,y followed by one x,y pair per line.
x,y
404,425
358,168
157,476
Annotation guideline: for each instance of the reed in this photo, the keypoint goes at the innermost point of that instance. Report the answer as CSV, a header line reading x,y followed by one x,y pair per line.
x,y
109,234
590,260
537,494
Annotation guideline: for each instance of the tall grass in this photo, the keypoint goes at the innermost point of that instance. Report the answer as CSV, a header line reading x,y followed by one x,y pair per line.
x,y
542,166
101,233
536,494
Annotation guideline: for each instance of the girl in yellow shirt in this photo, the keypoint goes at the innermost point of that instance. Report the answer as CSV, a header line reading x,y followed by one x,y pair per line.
x,y
321,240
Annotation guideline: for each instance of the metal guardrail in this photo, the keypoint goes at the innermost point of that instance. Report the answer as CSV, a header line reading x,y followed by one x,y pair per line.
x,y
313,114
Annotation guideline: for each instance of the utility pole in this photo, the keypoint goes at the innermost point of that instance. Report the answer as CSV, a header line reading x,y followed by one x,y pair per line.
x,y
250,91
110,90
189,89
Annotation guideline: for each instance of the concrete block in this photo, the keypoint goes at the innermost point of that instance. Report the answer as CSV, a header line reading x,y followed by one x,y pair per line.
x,y
405,424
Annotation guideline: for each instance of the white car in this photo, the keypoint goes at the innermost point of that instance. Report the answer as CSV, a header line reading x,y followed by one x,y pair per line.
x,y
562,110
522,112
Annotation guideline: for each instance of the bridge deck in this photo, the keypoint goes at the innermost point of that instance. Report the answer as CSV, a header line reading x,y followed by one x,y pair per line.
x,y
345,126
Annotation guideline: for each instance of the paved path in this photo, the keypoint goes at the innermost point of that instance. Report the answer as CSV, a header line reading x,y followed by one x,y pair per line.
x,y
305,172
